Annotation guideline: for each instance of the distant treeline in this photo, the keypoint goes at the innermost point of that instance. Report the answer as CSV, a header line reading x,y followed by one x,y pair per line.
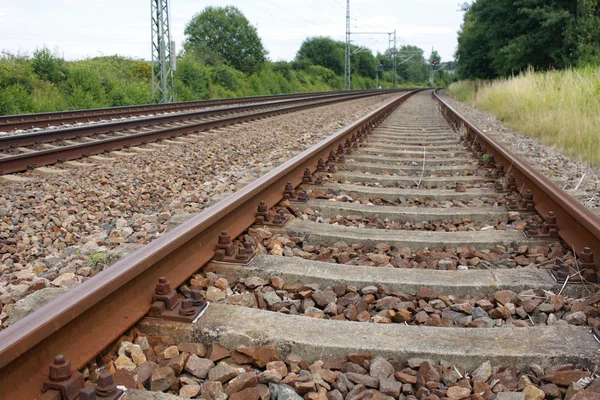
x,y
502,37
223,56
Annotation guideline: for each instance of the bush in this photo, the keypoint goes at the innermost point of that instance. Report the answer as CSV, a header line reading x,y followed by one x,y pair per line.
x,y
15,99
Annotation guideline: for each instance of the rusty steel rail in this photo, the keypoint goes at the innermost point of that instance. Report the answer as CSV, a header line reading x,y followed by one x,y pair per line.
x,y
89,317
28,121
51,135
23,161
578,226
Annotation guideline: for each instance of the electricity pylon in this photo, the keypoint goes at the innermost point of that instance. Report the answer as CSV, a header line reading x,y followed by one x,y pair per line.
x,y
163,53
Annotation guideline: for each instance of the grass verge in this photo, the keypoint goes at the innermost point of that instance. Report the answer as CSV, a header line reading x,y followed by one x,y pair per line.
x,y
559,108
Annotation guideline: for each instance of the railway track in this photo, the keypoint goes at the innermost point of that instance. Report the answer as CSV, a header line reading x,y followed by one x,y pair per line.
x,y
41,148
397,236
43,120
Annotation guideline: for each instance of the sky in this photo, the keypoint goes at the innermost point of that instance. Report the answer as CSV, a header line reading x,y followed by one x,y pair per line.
x,y
88,28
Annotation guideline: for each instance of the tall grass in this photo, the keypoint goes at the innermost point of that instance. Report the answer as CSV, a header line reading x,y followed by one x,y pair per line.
x,y
559,108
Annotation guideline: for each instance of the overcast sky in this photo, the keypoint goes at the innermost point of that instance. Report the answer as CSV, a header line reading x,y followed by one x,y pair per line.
x,y
89,28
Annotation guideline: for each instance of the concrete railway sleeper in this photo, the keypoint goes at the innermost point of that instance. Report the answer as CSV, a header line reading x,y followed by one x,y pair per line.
x,y
352,271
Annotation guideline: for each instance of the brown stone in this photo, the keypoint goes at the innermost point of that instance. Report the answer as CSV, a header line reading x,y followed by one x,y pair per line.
x,y
305,387
279,366
500,313
189,391
216,352
402,315
361,379
427,373
223,372
334,363
263,392
144,371
270,375
241,358
210,388
162,378
192,348
246,394
177,363
406,378
507,378
426,294
241,382
381,369
505,296
458,393
532,392
551,390
129,379
260,355
362,359
199,367
390,387
277,282
565,378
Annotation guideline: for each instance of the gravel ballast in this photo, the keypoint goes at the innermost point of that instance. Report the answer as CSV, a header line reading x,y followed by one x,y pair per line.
x,y
60,230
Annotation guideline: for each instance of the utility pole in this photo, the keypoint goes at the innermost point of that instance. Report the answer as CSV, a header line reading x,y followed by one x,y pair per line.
x,y
395,51
347,72
163,53
431,64
393,55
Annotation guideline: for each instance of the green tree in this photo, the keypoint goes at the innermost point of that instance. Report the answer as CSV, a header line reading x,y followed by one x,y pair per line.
x,y
500,37
47,66
226,34
323,51
585,32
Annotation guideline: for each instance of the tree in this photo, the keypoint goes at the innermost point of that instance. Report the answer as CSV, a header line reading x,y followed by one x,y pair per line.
x,y
323,51
226,35
47,66
500,37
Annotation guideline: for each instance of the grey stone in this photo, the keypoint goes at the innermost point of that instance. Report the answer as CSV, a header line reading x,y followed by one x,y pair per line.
x,y
271,298
381,369
479,312
199,367
483,372
510,396
32,302
283,392
148,395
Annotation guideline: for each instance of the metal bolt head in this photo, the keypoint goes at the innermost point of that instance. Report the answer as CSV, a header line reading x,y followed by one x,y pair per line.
x,y
262,204
196,294
586,256
87,394
60,369
163,286
224,238
106,384
187,307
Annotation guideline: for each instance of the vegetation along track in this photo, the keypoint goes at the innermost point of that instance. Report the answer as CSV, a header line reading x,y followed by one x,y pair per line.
x,y
43,120
33,150
441,239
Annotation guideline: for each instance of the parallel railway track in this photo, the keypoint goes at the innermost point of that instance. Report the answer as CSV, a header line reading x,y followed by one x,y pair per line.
x,y
407,187
41,120
32,150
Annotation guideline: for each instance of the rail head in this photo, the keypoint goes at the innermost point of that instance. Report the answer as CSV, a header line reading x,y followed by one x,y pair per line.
x,y
578,226
92,315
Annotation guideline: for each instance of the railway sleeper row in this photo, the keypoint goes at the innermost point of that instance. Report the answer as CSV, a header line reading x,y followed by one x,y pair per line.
x,y
403,268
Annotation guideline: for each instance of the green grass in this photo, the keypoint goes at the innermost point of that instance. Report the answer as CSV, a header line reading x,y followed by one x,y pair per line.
x,y
560,108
